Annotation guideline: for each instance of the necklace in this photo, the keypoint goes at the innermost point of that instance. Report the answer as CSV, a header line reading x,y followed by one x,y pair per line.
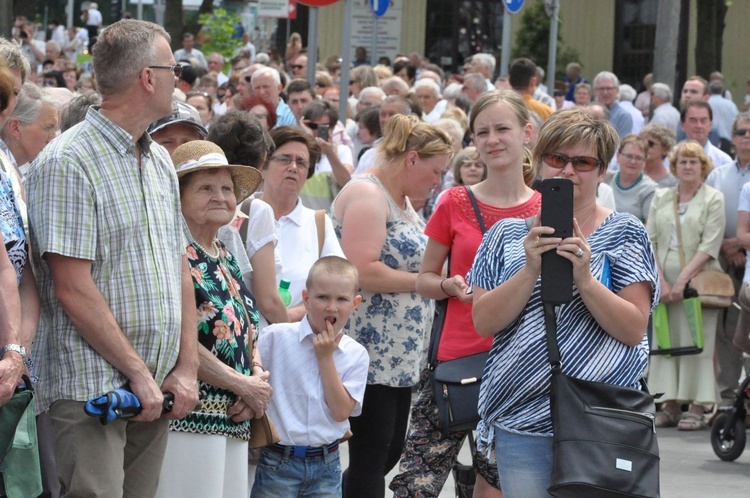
x,y
587,219
206,252
636,182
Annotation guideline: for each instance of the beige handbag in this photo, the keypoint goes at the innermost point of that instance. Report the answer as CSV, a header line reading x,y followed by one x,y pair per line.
x,y
715,288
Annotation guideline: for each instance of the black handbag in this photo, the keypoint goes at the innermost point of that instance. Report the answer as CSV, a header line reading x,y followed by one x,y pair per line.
x,y
456,382
604,436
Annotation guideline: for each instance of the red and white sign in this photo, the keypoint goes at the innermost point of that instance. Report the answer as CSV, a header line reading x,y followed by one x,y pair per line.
x,y
317,3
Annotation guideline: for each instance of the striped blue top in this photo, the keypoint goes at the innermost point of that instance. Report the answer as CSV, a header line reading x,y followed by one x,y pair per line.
x,y
516,382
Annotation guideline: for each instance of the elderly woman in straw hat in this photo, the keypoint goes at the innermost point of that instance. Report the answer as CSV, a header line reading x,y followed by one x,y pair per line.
x,y
207,450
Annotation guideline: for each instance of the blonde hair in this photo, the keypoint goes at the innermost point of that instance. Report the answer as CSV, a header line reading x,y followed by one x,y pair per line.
x,y
633,139
333,265
403,134
690,148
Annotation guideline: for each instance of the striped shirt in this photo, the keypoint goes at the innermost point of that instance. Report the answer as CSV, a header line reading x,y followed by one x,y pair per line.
x,y
515,392
89,199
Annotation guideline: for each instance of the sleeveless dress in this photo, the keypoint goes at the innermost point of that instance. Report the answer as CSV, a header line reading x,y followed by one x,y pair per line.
x,y
393,326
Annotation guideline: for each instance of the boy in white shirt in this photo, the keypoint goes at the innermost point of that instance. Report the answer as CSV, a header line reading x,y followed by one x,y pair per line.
x,y
318,375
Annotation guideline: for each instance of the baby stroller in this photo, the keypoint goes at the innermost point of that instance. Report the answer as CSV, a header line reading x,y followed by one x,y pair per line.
x,y
728,434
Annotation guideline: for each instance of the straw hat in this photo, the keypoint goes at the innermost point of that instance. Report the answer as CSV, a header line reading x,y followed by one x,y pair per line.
x,y
200,155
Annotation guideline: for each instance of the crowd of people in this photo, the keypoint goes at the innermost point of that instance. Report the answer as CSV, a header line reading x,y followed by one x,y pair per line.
x,y
151,209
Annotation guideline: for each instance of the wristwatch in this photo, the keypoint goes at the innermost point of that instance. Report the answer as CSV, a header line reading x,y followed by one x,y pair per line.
x,y
13,347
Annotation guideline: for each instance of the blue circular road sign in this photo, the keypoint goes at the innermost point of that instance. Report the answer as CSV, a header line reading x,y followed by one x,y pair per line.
x,y
379,6
513,6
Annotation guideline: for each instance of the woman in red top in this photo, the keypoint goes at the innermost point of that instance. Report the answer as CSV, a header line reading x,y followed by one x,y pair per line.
x,y
501,129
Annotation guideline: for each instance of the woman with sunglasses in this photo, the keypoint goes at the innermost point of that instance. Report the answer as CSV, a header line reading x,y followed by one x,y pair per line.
x,y
660,140
602,331
633,190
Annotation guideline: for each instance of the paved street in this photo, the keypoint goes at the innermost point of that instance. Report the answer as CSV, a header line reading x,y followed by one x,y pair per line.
x,y
689,467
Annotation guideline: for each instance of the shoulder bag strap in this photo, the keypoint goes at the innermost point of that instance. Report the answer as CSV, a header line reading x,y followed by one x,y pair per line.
x,y
441,306
678,228
245,208
476,209
320,225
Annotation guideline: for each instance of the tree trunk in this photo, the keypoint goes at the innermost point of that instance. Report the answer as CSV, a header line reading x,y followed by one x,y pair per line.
x,y
173,21
667,34
709,39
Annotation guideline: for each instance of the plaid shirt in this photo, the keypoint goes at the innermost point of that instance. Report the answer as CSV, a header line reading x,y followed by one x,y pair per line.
x,y
88,199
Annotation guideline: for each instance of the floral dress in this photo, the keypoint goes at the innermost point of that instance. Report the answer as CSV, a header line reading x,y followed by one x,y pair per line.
x,y
393,326
224,327
11,226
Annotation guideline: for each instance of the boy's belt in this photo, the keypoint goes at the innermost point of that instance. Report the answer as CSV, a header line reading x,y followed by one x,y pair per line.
x,y
304,451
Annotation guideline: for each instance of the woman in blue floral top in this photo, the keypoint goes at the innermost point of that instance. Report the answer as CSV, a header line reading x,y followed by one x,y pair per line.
x,y
207,450
18,292
384,237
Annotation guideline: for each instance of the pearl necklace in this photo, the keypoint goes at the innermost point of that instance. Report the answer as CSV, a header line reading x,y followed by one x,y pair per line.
x,y
205,251
636,182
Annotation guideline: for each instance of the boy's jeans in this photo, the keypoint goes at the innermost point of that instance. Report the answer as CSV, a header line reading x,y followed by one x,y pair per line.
x,y
281,476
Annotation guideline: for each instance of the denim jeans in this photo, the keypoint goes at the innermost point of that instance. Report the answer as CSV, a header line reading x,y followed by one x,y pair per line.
x,y
287,476
524,464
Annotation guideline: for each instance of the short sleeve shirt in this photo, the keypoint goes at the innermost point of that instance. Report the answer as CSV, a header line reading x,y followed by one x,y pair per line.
x,y
227,327
454,224
515,391
90,199
11,227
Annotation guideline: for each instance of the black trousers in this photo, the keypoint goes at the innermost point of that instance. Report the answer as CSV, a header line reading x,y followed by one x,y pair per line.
x,y
378,440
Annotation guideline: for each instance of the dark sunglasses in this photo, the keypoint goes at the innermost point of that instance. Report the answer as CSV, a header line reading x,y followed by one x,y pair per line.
x,y
177,69
580,163
248,79
314,126
296,66
651,143
321,85
741,132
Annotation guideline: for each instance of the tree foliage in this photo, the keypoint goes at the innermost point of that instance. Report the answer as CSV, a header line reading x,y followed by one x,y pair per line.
x,y
218,28
532,40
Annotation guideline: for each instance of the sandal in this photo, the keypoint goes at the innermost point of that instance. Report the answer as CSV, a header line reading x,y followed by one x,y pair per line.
x,y
666,419
692,422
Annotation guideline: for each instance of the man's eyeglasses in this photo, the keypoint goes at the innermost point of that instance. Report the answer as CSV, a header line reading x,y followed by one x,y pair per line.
x,y
580,163
176,69
605,89
741,132
287,160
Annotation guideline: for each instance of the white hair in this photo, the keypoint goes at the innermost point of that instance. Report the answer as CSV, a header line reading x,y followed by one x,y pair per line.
x,y
428,83
627,93
452,91
395,83
487,60
371,90
266,71
606,75
662,91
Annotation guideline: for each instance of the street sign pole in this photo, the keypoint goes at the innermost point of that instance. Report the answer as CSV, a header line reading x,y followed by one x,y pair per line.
x,y
346,51
505,53
511,7
312,44
552,57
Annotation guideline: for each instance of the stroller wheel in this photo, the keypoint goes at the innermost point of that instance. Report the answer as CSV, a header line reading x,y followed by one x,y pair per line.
x,y
728,437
